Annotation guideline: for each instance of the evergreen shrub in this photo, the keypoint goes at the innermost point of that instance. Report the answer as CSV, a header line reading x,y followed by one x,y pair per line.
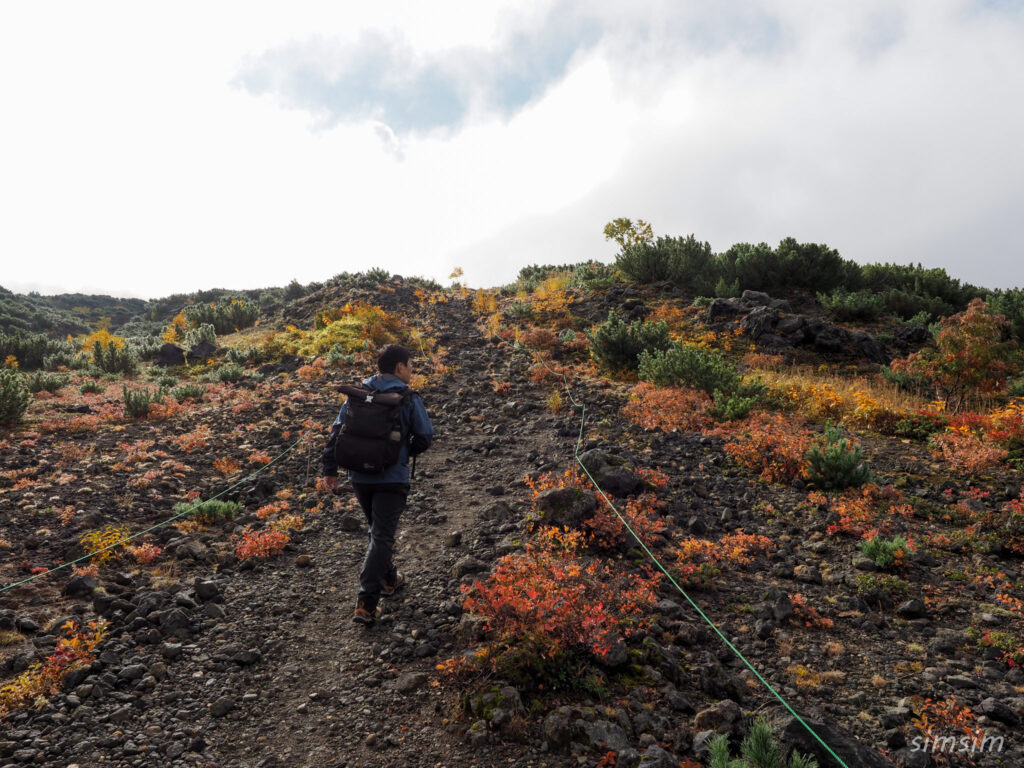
x,y
835,463
14,396
618,346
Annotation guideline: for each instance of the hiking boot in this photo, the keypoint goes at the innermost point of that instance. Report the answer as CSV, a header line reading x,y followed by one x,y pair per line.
x,y
388,589
365,616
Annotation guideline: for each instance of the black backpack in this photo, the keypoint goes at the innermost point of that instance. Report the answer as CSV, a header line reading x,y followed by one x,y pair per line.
x,y
370,439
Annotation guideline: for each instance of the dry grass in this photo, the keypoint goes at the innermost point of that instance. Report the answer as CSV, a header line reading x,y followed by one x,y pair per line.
x,y
860,401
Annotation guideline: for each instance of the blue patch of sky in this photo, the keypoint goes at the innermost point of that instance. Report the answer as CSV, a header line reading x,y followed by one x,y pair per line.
x,y
749,29
379,79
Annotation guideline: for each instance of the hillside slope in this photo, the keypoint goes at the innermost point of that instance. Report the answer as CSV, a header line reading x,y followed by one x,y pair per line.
x,y
212,660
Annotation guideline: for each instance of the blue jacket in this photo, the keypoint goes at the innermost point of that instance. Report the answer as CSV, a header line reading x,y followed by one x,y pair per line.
x,y
415,424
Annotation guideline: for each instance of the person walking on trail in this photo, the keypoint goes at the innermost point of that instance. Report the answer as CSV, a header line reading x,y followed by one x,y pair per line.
x,y
378,471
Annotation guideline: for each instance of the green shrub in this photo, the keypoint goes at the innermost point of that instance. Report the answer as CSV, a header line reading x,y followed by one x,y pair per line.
x,y
136,401
229,373
884,552
725,289
1011,305
32,349
145,347
881,582
813,267
759,750
685,365
243,355
337,354
14,396
691,263
920,426
107,358
208,512
518,310
858,305
617,346
294,290
41,380
912,284
69,360
754,267
194,336
188,392
225,316
594,276
835,463
643,263
90,387
735,405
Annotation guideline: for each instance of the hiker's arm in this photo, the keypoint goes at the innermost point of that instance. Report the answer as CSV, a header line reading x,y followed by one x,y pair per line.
x,y
422,431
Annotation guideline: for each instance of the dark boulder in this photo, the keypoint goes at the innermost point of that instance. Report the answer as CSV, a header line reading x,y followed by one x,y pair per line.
x,y
852,752
760,321
201,352
170,355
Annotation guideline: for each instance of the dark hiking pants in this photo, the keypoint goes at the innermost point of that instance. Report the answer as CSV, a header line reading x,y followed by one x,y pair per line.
x,y
382,504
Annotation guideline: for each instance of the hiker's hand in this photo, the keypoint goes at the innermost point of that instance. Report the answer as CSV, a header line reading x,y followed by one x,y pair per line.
x,y
331,481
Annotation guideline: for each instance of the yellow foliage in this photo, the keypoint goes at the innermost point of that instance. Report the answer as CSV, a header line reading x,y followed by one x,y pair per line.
x,y
353,327
870,403
485,302
11,362
96,543
45,678
104,338
175,329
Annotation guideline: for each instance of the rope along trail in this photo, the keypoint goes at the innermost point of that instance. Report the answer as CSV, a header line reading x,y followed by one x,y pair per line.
x,y
576,456
168,521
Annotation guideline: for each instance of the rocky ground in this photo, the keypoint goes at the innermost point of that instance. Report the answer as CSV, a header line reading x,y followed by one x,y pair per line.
x,y
216,662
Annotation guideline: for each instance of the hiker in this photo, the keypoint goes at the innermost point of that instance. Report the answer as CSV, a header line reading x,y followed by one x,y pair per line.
x,y
381,482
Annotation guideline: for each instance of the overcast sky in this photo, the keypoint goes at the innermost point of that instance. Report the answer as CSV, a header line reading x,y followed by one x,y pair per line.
x,y
147,150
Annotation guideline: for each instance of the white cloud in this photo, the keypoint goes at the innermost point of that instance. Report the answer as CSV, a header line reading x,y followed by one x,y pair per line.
x,y
129,162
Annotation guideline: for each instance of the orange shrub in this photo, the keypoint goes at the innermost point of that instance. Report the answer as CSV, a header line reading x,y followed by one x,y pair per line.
x,y
539,338
227,465
966,453
868,510
802,612
667,408
260,543
700,561
771,444
608,530
550,596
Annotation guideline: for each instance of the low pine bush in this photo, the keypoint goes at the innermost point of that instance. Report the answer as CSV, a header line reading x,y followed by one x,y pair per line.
x,y
835,463
759,750
111,358
857,305
136,401
188,392
14,396
208,512
885,552
225,317
230,373
735,405
686,365
194,336
90,387
41,380
618,346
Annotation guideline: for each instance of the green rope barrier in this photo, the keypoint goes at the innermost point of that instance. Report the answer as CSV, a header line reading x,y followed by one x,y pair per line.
x,y
704,616
168,521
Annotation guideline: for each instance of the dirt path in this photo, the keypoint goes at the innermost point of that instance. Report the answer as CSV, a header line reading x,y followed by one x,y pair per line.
x,y
330,693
